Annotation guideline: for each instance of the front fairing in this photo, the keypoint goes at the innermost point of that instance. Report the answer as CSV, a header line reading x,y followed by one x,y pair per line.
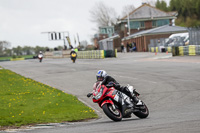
x,y
40,56
101,93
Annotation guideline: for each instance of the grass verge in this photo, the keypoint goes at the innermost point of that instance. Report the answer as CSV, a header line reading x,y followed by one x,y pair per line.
x,y
8,58
24,101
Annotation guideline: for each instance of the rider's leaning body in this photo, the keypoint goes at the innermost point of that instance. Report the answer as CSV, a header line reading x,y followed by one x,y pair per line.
x,y
108,80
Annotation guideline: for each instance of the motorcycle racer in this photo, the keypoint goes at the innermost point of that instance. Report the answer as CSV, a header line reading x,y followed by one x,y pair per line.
x,y
73,55
109,81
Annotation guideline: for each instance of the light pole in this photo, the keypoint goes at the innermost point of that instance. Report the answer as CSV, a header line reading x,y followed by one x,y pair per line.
x,y
128,24
129,30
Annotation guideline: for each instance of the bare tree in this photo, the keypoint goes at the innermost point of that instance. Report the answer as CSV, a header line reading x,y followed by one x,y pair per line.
x,y
150,2
127,9
103,15
4,45
84,43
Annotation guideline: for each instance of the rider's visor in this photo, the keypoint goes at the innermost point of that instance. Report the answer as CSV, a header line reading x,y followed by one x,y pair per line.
x,y
99,78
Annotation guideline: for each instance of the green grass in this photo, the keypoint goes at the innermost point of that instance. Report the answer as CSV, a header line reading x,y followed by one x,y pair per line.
x,y
24,101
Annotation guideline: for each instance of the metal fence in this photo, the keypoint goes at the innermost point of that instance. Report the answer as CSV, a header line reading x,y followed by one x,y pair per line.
x,y
161,43
106,45
194,36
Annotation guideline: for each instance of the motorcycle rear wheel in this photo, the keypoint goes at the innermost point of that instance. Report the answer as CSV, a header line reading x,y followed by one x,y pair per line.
x,y
114,115
142,113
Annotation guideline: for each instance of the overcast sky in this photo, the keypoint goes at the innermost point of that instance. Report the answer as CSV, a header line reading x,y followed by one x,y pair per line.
x,y
22,21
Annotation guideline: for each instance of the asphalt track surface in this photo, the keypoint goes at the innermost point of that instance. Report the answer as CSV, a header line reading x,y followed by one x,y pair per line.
x,y
170,87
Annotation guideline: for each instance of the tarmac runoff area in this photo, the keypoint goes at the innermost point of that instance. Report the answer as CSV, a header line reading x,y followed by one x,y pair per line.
x,y
168,85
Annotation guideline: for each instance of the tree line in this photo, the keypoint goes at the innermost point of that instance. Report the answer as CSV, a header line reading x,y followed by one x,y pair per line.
x,y
188,11
5,49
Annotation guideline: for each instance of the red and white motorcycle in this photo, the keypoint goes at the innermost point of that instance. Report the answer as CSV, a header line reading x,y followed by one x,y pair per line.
x,y
117,105
40,57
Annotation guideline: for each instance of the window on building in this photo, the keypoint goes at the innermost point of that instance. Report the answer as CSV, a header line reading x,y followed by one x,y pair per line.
x,y
137,24
142,24
154,23
110,31
157,23
103,31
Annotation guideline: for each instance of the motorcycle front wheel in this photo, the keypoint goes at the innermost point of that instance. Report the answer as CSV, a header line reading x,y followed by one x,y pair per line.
x,y
114,115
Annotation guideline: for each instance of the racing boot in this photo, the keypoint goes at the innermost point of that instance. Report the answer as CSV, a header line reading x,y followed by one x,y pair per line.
x,y
126,91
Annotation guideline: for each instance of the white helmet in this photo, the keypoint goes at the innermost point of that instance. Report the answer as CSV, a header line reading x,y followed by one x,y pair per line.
x,y
101,74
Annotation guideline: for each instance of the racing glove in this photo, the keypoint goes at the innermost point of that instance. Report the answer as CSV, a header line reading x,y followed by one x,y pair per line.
x,y
89,94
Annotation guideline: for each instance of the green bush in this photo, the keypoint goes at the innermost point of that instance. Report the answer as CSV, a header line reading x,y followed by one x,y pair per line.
x,y
14,56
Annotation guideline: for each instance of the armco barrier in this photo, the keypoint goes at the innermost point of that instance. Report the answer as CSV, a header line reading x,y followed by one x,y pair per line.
x,y
5,60
57,54
48,54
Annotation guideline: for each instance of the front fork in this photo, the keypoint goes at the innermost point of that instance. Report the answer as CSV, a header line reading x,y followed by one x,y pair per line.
x,y
108,101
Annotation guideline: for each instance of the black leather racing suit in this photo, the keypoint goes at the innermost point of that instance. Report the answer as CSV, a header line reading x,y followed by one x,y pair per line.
x,y
108,79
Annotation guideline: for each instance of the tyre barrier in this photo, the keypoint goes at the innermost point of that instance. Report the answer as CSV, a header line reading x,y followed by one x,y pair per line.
x,y
94,54
152,49
192,50
156,49
169,49
181,50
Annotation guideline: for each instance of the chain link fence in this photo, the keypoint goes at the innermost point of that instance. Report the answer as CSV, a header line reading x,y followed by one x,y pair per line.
x,y
194,36
182,40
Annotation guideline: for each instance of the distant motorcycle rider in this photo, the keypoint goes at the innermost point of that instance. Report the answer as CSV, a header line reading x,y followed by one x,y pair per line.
x,y
73,55
72,51
110,81
40,53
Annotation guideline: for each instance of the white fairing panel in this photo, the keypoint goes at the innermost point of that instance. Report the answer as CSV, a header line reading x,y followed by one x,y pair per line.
x,y
116,98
